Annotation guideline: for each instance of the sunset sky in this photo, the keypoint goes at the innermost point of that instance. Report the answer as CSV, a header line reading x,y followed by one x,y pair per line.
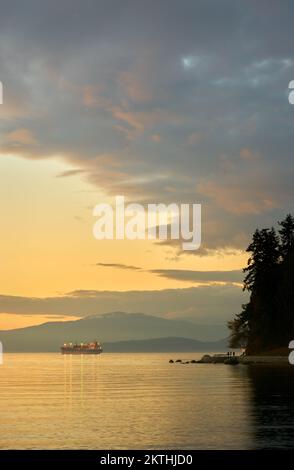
x,y
185,104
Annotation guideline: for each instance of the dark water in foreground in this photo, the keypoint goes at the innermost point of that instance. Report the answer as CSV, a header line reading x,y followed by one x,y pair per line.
x,y
129,401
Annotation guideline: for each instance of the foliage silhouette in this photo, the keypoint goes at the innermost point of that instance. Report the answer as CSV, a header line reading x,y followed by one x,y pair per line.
x,y
266,322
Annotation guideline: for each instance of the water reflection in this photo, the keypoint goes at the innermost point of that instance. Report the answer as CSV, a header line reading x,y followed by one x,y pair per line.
x,y
272,406
125,401
76,379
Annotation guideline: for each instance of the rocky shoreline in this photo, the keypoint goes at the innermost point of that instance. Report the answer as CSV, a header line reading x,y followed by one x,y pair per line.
x,y
235,360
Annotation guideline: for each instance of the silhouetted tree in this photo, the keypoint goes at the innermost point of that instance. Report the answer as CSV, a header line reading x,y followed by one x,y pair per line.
x,y
287,235
265,253
267,321
239,328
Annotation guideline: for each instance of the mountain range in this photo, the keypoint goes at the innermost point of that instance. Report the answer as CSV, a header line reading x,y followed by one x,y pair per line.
x,y
118,331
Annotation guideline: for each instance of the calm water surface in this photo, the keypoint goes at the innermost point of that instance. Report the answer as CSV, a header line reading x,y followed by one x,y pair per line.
x,y
121,401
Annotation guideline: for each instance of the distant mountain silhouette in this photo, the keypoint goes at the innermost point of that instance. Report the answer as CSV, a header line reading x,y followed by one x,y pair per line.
x,y
107,328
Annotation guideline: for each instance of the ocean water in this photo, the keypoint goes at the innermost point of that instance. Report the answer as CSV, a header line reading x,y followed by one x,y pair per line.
x,y
133,401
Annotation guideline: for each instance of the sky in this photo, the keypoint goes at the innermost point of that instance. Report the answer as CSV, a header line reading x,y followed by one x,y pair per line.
x,y
159,101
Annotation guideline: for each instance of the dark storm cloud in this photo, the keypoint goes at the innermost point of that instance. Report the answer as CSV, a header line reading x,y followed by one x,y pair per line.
x,y
162,101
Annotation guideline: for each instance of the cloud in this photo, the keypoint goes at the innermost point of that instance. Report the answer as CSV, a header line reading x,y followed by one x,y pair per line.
x,y
248,154
234,198
201,276
194,138
118,265
106,82
137,83
206,304
20,137
235,276
68,173
156,138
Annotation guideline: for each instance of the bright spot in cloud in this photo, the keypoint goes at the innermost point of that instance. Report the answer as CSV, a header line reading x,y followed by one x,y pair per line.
x,y
188,62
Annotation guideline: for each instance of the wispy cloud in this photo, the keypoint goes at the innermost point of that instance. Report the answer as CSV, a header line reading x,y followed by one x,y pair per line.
x,y
68,173
201,276
118,265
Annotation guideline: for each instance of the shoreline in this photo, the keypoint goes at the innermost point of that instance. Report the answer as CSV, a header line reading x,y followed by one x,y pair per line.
x,y
272,360
236,360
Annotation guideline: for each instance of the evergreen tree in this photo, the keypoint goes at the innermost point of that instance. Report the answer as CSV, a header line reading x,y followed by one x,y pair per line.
x,y
287,235
265,254
239,328
267,321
